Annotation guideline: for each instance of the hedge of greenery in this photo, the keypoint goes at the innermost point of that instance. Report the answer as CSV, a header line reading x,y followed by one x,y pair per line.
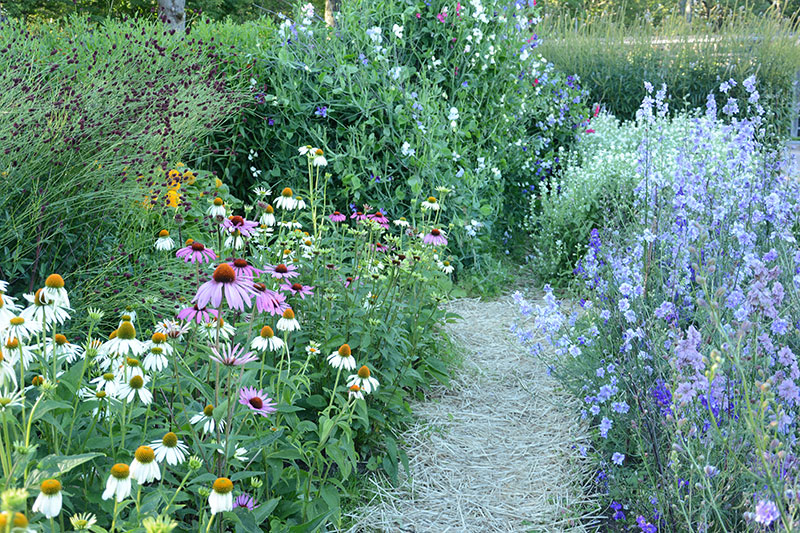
x,y
613,57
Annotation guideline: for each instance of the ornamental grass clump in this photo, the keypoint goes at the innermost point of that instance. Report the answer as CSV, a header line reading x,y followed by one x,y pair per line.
x,y
224,412
683,344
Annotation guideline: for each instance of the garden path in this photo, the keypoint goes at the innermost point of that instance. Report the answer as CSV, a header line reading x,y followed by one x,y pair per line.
x,y
495,451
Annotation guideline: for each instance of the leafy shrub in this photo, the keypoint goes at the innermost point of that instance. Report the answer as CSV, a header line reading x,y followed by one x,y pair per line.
x,y
612,59
412,96
249,380
93,116
684,348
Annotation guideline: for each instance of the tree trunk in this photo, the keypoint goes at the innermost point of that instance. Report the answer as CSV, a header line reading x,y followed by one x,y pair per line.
x,y
331,6
172,12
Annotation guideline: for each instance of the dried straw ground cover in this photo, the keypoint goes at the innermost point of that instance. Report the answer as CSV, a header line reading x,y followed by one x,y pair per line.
x,y
495,451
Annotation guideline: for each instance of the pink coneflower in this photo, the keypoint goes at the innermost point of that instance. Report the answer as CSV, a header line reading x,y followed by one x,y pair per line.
x,y
195,252
358,216
243,269
349,280
246,501
435,237
197,314
246,227
379,217
381,247
337,217
257,401
237,291
297,288
281,271
232,355
269,301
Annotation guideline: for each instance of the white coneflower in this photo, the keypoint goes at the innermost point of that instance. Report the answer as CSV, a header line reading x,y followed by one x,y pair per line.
x,y
83,521
287,322
104,401
319,159
55,292
118,484
108,383
300,204
7,310
235,240
402,222
266,340
342,358
62,347
19,328
221,497
13,350
261,192
364,380
206,417
155,360
446,267
9,400
171,328
306,150
286,200
49,500
8,375
429,203
208,330
164,242
43,309
124,342
144,467
136,386
355,392
312,348
217,209
130,368
170,448
268,216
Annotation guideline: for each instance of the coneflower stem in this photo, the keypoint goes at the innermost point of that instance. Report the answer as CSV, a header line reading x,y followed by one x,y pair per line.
x,y
210,520
335,384
114,517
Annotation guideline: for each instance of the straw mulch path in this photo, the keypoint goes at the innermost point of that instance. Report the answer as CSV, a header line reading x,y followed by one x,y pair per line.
x,y
494,452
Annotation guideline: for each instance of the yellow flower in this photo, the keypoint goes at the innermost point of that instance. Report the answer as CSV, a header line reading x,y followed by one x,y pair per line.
x,y
173,198
189,177
217,183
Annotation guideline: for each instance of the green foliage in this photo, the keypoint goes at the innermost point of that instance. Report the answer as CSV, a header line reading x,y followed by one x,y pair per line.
x,y
613,58
452,103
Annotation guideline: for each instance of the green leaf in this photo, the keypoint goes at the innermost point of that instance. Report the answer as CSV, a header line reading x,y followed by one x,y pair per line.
x,y
57,465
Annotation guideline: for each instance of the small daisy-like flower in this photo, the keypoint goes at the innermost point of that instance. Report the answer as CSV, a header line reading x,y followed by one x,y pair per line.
x,y
195,252
282,271
354,391
247,228
118,484
164,242
209,330
261,192
49,500
82,521
286,200
124,342
401,222
136,386
429,203
267,218
312,348
173,329
364,380
54,291
217,209
288,322
246,501
256,401
269,301
336,216
221,497
436,238
144,467
197,314
266,340
243,269
298,288
170,448
232,356
206,417
446,267
342,358
223,282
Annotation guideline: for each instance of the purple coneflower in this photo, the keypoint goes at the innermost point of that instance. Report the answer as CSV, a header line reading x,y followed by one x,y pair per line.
x,y
232,355
282,271
435,237
257,401
381,247
297,288
337,217
223,281
245,227
195,252
269,301
197,314
358,216
380,218
246,501
243,269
